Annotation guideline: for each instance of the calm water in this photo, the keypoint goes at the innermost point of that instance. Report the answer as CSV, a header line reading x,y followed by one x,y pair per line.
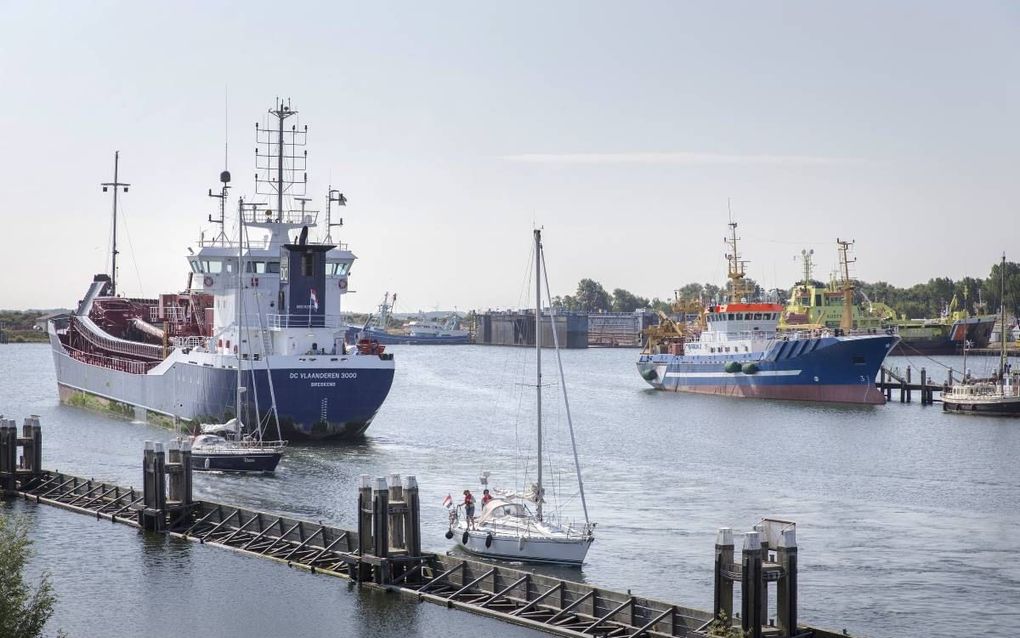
x,y
906,517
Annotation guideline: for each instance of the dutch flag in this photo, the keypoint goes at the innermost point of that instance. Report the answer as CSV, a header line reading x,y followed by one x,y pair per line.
x,y
448,501
314,300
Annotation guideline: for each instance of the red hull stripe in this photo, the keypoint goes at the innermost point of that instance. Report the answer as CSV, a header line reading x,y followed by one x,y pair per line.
x,y
863,394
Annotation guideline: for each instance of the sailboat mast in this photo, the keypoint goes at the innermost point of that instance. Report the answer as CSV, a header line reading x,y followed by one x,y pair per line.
x,y
538,362
237,303
1002,322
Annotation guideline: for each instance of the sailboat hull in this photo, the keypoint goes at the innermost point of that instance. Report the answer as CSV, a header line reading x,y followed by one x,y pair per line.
x,y
530,549
255,461
1002,406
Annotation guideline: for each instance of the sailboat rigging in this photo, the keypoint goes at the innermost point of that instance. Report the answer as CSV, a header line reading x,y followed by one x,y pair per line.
x,y
507,527
995,396
231,447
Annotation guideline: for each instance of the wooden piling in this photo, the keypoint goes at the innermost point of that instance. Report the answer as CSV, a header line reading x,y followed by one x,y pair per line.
x,y
750,585
412,520
722,606
786,586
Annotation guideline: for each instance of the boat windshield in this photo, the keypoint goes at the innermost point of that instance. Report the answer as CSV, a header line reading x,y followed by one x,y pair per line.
x,y
499,509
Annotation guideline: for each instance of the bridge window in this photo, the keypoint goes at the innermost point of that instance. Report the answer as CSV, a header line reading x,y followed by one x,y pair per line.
x,y
272,267
214,266
195,265
257,267
307,259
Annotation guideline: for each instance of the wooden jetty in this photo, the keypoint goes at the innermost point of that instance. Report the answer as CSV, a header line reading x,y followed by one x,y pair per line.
x,y
889,380
385,551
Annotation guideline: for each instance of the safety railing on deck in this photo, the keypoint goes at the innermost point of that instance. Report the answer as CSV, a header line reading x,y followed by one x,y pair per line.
x,y
113,363
279,322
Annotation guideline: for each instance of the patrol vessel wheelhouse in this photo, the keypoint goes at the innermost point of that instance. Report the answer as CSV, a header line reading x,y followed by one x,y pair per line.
x,y
178,354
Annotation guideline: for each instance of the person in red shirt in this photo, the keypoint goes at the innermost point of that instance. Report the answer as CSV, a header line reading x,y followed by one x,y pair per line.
x,y
469,508
486,497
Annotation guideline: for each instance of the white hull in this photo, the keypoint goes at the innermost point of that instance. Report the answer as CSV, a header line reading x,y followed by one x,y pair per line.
x,y
533,549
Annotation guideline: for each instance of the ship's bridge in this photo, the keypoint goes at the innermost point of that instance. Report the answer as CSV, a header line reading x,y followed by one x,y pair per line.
x,y
736,318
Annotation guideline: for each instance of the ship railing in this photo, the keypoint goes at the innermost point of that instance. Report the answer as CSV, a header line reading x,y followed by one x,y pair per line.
x,y
293,217
101,339
189,342
113,363
220,242
280,322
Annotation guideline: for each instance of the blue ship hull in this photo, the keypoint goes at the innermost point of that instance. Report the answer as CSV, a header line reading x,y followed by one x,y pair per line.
x,y
827,369
354,333
334,400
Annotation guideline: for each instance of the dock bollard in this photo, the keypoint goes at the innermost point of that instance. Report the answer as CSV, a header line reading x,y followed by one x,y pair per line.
x,y
412,519
363,571
396,495
153,516
786,587
723,605
750,585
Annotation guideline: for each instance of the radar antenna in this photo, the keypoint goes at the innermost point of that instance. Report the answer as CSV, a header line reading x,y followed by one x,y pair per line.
x,y
116,184
282,169
222,196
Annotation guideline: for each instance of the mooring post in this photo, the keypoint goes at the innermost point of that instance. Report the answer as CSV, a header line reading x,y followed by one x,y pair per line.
x,y
8,454
380,529
750,584
153,516
362,571
412,520
723,599
173,468
187,464
396,495
924,386
786,587
763,593
909,389
32,433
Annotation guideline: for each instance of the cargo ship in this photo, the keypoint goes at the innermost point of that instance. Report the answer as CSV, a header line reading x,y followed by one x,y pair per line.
x,y
739,351
177,355
812,306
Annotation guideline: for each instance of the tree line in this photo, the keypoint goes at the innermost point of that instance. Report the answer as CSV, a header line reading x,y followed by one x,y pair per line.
x,y
978,295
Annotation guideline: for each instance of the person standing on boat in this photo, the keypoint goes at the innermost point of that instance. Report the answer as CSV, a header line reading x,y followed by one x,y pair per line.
x,y
486,497
469,508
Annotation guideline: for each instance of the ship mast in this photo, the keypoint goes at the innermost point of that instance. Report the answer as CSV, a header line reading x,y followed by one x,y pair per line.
x,y
333,196
115,184
847,322
278,160
538,364
736,273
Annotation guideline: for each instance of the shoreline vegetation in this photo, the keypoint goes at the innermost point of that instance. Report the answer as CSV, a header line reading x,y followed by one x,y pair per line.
x,y
920,301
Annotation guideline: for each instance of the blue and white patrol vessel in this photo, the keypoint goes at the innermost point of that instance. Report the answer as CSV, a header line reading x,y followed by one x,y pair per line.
x,y
178,354
739,351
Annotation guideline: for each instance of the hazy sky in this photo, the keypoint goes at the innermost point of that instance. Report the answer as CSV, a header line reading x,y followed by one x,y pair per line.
x,y
452,128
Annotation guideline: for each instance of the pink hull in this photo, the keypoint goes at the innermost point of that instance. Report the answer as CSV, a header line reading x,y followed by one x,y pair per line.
x,y
861,394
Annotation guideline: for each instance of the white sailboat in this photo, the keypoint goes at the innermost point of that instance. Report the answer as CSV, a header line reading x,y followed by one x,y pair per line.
x,y
995,396
231,446
513,526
